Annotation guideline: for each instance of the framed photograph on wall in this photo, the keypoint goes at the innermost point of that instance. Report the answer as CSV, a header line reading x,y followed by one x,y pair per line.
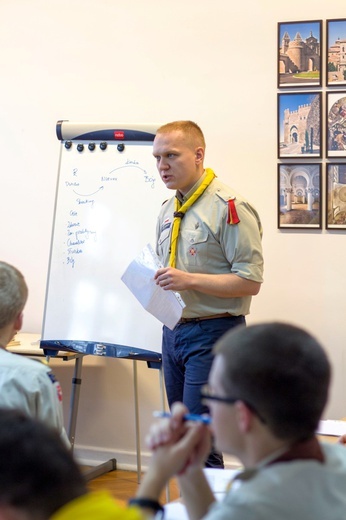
x,y
336,124
299,125
299,54
336,52
336,196
299,196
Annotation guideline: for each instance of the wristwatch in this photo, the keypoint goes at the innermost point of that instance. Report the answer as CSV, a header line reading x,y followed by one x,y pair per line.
x,y
147,503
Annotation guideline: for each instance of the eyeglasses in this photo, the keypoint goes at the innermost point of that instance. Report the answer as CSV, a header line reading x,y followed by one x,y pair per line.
x,y
207,394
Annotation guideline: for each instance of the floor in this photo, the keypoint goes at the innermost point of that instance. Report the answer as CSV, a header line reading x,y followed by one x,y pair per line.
x,y
123,485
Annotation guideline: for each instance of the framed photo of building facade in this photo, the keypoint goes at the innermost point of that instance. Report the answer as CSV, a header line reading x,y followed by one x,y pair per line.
x,y
299,125
299,196
336,196
336,53
336,124
299,54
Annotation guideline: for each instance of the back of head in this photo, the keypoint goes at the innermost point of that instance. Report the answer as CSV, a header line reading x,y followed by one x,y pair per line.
x,y
282,371
191,130
37,472
13,293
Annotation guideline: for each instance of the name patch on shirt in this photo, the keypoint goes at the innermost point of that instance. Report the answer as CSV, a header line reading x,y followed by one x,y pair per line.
x,y
166,224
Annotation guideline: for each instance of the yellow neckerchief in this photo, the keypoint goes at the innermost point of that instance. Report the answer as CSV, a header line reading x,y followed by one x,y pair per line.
x,y
180,210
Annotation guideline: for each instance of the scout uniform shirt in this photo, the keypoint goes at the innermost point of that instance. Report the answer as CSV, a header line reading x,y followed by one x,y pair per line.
x,y
207,243
31,387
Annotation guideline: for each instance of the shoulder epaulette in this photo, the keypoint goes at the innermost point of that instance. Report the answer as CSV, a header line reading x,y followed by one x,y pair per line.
x,y
232,216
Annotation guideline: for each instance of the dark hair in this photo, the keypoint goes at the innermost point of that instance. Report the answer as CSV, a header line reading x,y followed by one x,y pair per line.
x,y
282,371
38,474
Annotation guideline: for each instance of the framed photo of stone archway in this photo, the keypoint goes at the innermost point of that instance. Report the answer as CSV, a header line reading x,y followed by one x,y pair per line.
x,y
336,196
336,53
300,196
336,124
299,125
299,54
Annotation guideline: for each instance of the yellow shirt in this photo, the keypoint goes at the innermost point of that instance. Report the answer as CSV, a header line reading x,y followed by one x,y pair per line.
x,y
96,506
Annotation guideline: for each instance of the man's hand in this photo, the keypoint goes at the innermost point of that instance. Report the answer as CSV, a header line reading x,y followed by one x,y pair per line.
x,y
228,285
178,446
171,279
342,439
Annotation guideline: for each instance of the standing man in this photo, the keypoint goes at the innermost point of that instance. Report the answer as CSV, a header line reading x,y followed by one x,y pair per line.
x,y
209,240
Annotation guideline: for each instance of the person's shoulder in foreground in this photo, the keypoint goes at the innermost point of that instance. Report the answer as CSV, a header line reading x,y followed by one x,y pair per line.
x,y
267,390
25,384
39,479
298,489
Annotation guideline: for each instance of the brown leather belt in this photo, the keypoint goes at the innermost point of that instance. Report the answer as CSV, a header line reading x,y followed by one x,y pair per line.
x,y
212,317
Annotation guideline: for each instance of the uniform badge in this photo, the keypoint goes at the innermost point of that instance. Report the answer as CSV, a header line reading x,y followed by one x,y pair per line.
x,y
59,392
165,224
232,217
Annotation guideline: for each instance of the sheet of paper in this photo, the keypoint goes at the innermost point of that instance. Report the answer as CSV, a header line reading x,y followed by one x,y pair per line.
x,y
166,306
175,511
219,479
331,427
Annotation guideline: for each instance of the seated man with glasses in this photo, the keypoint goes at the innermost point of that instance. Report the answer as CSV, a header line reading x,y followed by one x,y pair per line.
x,y
267,390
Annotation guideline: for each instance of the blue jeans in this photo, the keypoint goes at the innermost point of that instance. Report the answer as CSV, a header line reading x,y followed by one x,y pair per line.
x,y
187,359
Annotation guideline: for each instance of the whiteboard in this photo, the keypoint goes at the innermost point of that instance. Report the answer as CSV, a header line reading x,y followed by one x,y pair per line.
x,y
106,208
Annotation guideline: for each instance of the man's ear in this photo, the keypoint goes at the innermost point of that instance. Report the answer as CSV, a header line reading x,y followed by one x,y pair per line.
x,y
243,416
18,323
199,155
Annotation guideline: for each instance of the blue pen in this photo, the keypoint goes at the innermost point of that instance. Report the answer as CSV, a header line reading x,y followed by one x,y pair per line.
x,y
188,417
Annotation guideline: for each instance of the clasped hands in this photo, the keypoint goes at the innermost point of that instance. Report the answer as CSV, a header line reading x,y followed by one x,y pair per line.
x,y
178,446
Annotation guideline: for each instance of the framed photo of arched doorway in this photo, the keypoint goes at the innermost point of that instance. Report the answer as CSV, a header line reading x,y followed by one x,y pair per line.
x,y
300,196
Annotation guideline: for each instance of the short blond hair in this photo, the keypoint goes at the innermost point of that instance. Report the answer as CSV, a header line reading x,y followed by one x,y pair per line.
x,y
191,130
13,293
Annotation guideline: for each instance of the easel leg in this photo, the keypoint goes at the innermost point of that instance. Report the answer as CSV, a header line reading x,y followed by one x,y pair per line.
x,y
163,407
101,469
138,442
76,383
162,390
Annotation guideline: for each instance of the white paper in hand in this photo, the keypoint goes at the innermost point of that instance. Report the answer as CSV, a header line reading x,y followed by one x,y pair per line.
x,y
166,306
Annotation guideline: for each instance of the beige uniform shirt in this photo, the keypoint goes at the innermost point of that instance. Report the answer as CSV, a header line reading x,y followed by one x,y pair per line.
x,y
30,386
208,244
295,490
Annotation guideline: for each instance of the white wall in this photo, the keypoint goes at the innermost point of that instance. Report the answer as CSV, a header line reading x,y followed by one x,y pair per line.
x,y
151,61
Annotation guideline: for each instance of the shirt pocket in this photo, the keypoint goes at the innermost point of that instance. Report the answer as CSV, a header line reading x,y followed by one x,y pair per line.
x,y
163,244
195,247
164,235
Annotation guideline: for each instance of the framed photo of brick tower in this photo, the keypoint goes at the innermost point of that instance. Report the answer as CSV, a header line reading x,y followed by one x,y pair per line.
x,y
336,53
299,54
299,125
